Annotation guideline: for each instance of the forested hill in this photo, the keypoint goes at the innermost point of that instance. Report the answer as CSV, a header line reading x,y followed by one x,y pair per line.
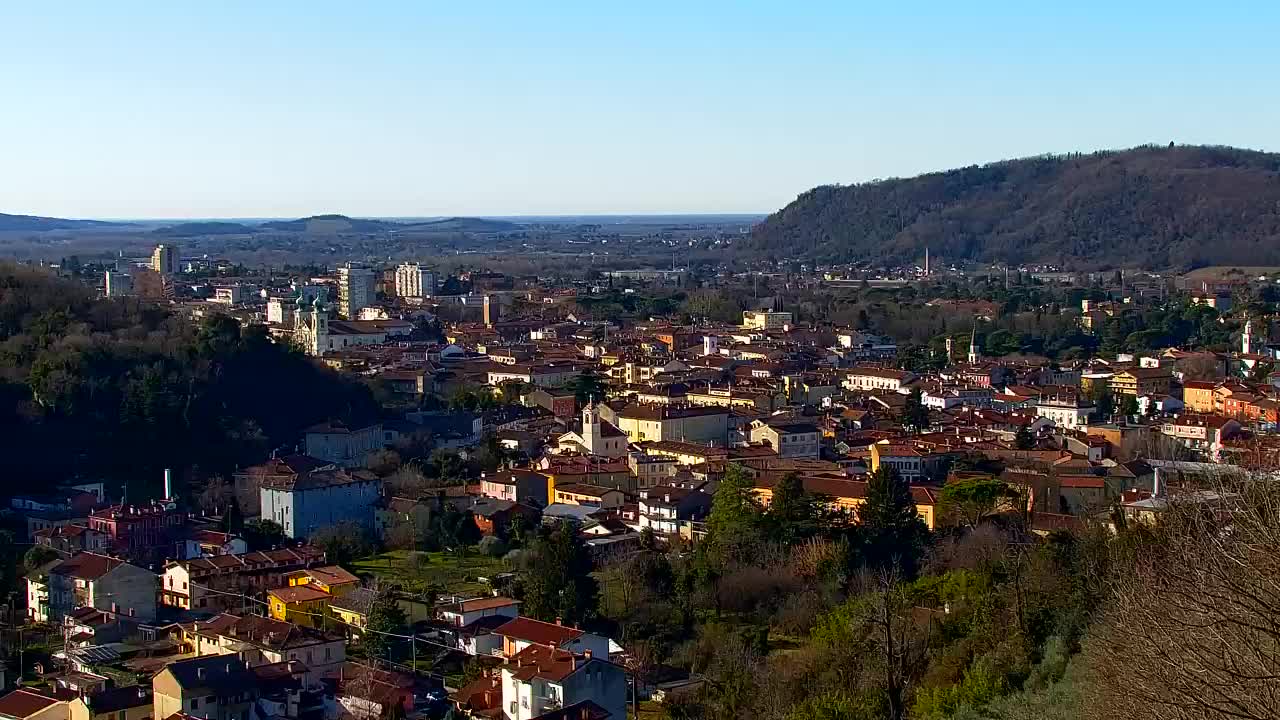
x,y
1155,207
118,390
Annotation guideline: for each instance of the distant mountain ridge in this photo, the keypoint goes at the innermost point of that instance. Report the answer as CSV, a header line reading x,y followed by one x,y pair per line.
x,y
213,227
1157,207
36,223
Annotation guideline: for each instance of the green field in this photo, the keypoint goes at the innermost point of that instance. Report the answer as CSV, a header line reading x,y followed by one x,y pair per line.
x,y
445,571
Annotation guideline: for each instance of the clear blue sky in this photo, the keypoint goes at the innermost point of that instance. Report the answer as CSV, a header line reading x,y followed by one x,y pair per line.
x,y
249,109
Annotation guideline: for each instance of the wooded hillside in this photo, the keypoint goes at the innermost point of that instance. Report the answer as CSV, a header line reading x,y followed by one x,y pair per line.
x,y
1176,207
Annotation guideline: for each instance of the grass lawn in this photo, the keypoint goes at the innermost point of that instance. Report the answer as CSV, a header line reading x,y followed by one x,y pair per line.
x,y
650,710
446,571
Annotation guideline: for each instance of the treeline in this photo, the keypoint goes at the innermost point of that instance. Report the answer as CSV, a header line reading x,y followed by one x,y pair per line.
x,y
1154,207
784,613
118,390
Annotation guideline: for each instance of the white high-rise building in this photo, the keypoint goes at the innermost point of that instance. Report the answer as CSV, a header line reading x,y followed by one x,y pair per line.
x,y
412,280
355,290
164,260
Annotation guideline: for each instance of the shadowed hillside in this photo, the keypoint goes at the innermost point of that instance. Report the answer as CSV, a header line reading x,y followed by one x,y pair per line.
x,y
1155,207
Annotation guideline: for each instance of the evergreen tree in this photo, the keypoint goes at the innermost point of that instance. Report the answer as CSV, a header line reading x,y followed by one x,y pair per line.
x,y
734,527
385,616
558,582
1024,440
914,414
794,514
893,533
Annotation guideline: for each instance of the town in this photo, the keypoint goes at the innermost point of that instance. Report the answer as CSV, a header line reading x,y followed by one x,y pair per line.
x,y
564,473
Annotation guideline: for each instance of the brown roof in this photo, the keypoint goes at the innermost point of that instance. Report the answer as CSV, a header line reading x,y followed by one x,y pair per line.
x,y
24,703
545,663
298,593
86,566
332,575
536,631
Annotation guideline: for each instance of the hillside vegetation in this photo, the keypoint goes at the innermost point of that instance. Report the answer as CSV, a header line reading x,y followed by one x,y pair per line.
x,y
1175,207
36,223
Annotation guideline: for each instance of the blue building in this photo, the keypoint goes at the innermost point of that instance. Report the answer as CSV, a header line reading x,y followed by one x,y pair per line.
x,y
309,501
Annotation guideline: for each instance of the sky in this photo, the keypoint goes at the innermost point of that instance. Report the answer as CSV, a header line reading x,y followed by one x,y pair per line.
x,y
284,109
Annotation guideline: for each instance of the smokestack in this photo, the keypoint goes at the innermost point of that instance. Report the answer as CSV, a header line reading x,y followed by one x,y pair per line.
x,y
168,484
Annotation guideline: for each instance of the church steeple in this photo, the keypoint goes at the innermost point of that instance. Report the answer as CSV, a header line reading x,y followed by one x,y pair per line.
x,y
973,344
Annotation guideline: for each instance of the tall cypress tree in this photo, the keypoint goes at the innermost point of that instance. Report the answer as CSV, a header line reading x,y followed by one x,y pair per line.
x,y
894,534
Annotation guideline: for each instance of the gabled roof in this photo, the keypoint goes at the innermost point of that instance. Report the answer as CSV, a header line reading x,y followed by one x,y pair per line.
x,y
23,703
86,566
220,673
538,632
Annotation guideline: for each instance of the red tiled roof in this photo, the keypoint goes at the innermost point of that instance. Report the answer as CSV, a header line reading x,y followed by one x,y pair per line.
x,y
24,703
536,631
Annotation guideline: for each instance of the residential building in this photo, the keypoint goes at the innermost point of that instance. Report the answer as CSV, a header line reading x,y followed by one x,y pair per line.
x,y
594,495
280,311
844,494
561,403
911,463
228,295
1142,381
789,438
218,687
413,280
1205,433
121,703
651,469
465,612
355,290
870,378
218,583
117,284
765,320
164,260
71,539
288,468
1069,411
94,581
1198,395
320,499
334,442
547,375
301,605
664,508
519,633
544,681
260,641
665,422
31,704
142,532
517,486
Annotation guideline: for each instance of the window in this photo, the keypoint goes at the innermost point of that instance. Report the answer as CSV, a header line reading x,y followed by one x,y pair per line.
x,y
328,653
195,703
184,585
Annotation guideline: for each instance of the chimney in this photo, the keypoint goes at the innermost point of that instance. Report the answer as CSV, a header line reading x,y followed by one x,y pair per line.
x,y
559,620
587,653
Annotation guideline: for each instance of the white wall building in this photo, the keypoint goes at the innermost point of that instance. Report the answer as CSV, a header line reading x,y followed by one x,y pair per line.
x,y
355,289
413,280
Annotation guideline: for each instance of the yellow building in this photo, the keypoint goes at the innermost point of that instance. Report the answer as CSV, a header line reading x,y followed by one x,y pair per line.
x,y
1199,395
125,703
1141,381
330,578
844,494
299,604
218,687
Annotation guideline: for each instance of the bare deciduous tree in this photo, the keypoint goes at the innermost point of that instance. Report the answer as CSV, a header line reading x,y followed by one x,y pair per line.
x,y
1194,630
